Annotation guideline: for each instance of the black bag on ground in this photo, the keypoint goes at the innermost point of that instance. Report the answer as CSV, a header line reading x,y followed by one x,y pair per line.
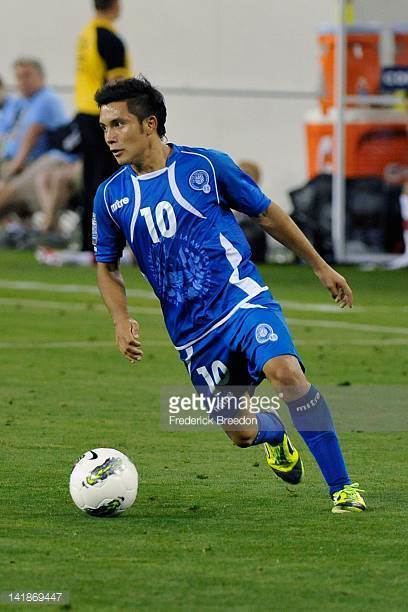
x,y
373,222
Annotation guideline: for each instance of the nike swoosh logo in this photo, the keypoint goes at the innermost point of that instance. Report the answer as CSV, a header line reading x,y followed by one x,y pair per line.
x,y
94,455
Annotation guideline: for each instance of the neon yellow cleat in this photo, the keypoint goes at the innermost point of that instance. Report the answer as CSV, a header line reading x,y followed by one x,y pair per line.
x,y
348,499
285,461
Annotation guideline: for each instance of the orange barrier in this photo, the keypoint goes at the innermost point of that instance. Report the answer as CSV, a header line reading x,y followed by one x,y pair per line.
x,y
362,61
401,46
369,147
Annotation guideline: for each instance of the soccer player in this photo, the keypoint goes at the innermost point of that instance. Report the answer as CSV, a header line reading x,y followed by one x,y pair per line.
x,y
172,204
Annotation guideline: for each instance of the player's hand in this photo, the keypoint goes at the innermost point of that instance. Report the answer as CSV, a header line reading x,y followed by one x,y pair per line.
x,y
337,285
127,339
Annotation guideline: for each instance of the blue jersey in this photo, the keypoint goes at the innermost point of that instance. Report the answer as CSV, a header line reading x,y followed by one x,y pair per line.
x,y
179,225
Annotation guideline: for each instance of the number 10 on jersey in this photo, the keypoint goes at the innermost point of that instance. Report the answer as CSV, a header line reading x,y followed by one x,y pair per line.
x,y
164,224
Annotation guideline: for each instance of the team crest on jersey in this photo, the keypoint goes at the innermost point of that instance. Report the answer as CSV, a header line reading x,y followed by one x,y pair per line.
x,y
200,181
264,333
186,278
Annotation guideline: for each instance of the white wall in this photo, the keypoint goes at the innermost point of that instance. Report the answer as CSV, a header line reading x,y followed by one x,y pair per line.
x,y
264,45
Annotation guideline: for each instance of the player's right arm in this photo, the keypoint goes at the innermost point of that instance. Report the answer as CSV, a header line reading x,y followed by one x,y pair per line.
x,y
108,242
112,288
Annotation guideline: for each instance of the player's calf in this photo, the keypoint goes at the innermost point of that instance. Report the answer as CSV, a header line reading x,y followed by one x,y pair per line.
x,y
312,418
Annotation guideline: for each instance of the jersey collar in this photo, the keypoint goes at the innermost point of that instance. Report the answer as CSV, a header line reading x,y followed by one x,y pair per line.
x,y
148,175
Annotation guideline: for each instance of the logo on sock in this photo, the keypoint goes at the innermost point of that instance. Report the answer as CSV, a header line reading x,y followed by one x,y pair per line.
x,y
264,333
310,403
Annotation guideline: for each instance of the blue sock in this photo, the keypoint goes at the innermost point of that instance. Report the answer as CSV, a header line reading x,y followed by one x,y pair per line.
x,y
311,417
270,429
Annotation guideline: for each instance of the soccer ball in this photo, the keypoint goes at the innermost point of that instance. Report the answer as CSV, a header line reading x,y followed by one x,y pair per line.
x,y
103,482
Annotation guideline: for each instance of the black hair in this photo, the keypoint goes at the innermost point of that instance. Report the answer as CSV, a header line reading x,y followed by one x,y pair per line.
x,y
143,100
103,5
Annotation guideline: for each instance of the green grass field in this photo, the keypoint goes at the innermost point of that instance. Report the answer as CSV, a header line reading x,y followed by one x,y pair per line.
x,y
211,529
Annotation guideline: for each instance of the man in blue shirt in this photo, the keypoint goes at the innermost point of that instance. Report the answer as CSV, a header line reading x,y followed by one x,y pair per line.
x,y
9,111
172,204
25,138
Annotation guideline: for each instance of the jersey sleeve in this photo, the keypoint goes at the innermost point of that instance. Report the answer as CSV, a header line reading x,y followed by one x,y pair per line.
x,y
236,189
113,52
107,238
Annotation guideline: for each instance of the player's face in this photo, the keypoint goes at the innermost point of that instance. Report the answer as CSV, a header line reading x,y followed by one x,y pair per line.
x,y
124,134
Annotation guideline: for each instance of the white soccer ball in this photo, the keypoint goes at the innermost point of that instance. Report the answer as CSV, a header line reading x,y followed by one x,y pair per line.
x,y
103,482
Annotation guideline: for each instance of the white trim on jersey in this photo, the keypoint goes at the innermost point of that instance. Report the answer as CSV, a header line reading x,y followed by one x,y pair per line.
x,y
187,360
136,209
220,322
249,306
212,167
150,175
104,194
246,284
178,196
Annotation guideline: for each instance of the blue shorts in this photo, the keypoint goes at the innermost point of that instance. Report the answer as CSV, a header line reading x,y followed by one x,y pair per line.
x,y
235,353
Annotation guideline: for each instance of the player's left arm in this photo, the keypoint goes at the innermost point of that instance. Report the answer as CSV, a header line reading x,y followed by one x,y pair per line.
x,y
280,226
240,192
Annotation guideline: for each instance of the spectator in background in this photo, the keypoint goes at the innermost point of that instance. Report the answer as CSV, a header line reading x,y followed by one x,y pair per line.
x,y
40,110
100,57
9,110
3,96
402,260
54,188
252,169
26,145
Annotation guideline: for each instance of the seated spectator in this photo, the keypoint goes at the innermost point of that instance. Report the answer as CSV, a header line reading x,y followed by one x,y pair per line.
x,y
252,169
26,146
9,110
54,187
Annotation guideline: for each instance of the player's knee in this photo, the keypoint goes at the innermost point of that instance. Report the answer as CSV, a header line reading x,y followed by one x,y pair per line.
x,y
243,439
285,373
